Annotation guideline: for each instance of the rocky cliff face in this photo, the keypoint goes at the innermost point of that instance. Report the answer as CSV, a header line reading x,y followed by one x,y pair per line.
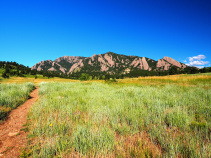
x,y
109,62
167,62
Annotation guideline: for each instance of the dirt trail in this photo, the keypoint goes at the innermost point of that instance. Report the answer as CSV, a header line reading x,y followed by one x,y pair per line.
x,y
12,138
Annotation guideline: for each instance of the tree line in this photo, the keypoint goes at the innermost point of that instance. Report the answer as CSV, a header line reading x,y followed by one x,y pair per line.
x,y
89,75
15,69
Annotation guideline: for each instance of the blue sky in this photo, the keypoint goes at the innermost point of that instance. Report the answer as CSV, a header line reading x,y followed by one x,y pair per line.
x,y
36,30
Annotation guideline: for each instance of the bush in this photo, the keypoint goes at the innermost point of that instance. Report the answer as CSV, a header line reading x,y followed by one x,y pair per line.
x,y
84,77
4,75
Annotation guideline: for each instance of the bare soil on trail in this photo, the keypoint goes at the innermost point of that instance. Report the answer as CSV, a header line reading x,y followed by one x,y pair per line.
x,y
12,138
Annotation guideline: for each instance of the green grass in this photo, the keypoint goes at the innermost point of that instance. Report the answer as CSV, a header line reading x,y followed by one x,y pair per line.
x,y
121,120
13,95
184,80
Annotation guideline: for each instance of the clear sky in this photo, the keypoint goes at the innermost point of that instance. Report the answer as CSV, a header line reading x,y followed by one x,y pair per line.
x,y
36,30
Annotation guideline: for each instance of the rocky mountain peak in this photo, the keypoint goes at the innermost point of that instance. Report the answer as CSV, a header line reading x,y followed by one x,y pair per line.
x,y
109,62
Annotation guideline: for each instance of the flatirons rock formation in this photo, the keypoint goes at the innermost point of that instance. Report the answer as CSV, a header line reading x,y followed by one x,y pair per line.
x,y
108,62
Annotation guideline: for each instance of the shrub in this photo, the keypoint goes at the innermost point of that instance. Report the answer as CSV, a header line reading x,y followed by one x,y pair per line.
x,y
84,77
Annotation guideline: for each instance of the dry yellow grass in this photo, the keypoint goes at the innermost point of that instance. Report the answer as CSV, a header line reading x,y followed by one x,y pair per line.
x,y
177,77
182,79
35,81
150,80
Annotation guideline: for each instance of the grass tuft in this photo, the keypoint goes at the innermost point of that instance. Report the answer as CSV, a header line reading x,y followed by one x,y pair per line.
x,y
13,95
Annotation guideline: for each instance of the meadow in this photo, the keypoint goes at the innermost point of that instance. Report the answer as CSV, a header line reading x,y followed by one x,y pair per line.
x,y
31,78
13,95
143,117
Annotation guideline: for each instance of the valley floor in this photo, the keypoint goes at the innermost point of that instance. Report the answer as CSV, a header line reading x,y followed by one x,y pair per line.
x,y
166,116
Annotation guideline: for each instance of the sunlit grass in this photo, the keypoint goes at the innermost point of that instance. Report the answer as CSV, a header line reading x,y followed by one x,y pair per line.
x,y
13,95
33,80
165,116
184,80
121,120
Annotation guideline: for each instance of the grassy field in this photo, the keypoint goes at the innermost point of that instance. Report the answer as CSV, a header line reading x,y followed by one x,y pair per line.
x,y
190,79
143,117
32,79
13,95
184,80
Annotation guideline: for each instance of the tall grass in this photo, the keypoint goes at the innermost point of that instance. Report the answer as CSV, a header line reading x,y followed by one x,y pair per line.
x,y
13,95
184,80
121,120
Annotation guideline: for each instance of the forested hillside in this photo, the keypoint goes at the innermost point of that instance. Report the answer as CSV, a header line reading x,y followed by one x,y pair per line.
x,y
14,69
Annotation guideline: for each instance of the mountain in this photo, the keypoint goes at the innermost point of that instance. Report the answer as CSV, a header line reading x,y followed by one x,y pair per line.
x,y
108,62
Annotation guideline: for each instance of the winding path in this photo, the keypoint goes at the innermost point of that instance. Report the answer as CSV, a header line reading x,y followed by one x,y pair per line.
x,y
12,138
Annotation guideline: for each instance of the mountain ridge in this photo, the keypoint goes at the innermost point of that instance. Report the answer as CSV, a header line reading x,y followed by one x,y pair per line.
x,y
108,62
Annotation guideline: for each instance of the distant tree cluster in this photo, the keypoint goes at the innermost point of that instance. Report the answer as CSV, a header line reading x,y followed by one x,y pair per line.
x,y
172,71
15,69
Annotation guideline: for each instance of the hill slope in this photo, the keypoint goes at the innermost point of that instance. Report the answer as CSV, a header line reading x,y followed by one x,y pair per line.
x,y
14,69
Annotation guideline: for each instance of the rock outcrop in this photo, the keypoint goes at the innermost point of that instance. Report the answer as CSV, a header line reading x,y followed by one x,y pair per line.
x,y
108,62
167,62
